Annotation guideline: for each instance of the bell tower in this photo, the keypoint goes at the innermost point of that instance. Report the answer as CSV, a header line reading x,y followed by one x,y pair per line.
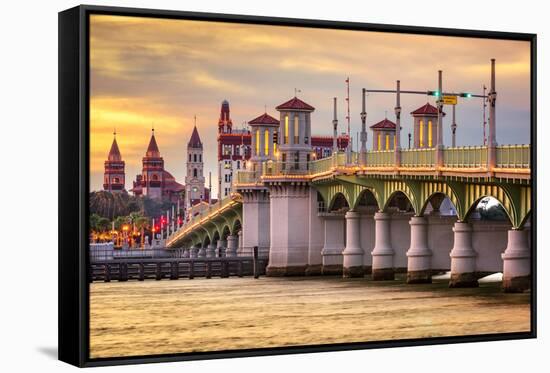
x,y
153,170
114,175
194,178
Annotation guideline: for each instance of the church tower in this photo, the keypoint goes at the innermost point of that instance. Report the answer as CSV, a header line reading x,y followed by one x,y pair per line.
x,y
225,123
153,170
114,176
194,179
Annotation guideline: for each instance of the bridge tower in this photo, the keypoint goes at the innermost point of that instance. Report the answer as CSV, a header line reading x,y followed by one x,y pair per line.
x,y
295,130
425,126
256,231
290,193
262,130
114,176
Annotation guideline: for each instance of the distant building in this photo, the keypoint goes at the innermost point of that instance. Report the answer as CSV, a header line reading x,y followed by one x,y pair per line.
x,y
234,147
114,174
194,178
155,182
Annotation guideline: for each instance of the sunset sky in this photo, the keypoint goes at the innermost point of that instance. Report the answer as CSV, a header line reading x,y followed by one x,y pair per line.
x,y
160,72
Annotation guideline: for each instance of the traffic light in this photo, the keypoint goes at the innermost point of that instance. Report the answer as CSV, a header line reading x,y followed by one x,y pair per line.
x,y
433,93
465,94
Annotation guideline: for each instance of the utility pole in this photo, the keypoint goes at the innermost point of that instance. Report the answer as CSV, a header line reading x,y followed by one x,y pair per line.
x,y
397,144
453,127
439,144
209,188
348,148
484,116
492,161
363,151
335,137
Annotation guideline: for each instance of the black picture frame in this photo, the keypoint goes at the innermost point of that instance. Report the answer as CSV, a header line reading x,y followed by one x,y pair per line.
x,y
74,182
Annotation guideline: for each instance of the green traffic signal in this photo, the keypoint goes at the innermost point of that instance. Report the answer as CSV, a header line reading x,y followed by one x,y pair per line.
x,y
467,95
434,93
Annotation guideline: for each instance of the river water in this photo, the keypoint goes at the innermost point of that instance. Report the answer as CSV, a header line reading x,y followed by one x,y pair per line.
x,y
158,317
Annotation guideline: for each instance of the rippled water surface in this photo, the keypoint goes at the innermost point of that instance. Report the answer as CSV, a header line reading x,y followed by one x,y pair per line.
x,y
157,317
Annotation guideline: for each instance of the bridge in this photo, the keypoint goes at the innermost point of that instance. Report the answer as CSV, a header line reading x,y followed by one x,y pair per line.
x,y
376,212
347,208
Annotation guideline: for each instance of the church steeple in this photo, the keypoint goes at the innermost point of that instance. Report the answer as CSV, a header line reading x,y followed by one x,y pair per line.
x,y
195,140
114,175
194,179
152,180
114,153
152,149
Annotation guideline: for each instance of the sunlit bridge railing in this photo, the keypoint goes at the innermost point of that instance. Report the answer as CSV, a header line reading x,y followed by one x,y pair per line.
x,y
514,156
418,157
321,165
465,157
381,158
247,176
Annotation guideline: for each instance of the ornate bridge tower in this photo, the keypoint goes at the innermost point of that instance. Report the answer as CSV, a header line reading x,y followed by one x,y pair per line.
x,y
289,192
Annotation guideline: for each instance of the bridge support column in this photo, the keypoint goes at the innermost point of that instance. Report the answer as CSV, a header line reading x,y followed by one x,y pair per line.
x,y
353,253
211,251
419,256
255,227
382,254
202,252
220,248
334,245
232,243
463,258
517,263
289,222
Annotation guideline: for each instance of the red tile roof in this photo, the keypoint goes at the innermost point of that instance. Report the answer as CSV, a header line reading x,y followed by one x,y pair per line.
x,y
384,124
195,140
265,119
426,110
295,104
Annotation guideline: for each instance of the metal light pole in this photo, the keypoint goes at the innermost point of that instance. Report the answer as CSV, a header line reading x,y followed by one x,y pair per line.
x,y
363,153
453,126
491,147
439,144
397,145
335,137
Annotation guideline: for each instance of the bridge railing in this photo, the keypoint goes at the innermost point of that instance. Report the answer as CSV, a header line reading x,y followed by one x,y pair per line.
x,y
207,211
418,157
381,158
508,156
247,176
465,157
321,165
514,156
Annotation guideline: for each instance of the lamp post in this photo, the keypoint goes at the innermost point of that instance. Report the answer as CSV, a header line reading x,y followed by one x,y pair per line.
x,y
363,152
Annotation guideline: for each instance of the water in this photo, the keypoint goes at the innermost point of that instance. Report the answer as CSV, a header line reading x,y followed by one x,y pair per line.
x,y
157,317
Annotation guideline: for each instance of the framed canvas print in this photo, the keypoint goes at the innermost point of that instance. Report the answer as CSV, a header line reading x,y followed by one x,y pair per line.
x,y
237,186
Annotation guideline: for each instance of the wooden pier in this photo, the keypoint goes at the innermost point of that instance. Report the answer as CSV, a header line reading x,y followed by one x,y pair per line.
x,y
174,268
